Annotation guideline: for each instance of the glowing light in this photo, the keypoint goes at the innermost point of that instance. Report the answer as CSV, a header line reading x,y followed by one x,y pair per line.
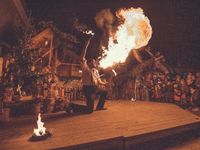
x,y
46,42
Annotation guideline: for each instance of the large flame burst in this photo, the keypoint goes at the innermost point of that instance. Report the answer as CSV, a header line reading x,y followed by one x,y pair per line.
x,y
135,32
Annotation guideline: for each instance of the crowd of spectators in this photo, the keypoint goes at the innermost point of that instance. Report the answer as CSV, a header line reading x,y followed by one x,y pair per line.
x,y
182,89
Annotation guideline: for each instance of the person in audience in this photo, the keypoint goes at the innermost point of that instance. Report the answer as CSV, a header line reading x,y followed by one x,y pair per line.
x,y
184,93
195,97
197,82
177,94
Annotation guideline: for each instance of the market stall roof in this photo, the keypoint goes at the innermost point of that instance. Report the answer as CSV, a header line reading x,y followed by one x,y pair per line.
x,y
43,36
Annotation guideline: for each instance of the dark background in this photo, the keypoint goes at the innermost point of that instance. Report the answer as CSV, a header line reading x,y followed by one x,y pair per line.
x,y
175,23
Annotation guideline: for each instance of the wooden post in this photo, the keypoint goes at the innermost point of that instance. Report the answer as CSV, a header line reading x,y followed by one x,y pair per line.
x,y
8,95
37,105
6,114
1,107
51,50
37,109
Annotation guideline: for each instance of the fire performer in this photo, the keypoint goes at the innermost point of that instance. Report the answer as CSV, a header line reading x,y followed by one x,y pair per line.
x,y
92,85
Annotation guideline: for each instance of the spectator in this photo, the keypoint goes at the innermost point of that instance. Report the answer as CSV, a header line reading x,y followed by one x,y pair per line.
x,y
177,94
195,97
184,93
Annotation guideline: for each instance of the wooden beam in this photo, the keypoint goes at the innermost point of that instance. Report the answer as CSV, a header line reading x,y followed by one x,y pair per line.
x,y
45,34
20,9
51,50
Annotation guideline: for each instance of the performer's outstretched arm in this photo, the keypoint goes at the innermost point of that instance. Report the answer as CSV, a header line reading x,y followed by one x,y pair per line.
x,y
84,51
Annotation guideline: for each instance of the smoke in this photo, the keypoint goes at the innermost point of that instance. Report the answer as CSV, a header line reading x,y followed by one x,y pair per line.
x,y
79,26
104,19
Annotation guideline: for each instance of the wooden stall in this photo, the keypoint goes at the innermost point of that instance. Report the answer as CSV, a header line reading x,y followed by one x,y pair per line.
x,y
44,43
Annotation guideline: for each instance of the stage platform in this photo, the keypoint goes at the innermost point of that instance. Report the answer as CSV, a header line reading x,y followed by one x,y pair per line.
x,y
123,125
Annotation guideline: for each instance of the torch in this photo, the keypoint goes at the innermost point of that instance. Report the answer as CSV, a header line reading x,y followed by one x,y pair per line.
x,y
88,33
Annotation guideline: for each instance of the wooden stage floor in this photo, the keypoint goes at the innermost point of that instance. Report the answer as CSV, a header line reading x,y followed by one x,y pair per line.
x,y
123,123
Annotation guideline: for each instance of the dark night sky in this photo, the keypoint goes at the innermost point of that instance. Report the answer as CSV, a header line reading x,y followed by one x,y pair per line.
x,y
175,23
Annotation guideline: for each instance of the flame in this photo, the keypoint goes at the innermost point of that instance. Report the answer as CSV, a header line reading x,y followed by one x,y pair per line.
x,y
41,130
134,33
89,32
114,72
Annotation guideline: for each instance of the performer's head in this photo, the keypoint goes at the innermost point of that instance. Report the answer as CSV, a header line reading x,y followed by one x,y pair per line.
x,y
92,63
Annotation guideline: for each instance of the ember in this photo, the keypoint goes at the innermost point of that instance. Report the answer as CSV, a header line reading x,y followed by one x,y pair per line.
x,y
40,133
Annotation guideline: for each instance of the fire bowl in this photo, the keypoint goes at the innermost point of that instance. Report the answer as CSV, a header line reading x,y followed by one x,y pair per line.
x,y
34,137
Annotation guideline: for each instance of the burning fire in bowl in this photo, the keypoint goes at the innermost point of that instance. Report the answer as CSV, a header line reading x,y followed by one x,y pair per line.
x,y
40,133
